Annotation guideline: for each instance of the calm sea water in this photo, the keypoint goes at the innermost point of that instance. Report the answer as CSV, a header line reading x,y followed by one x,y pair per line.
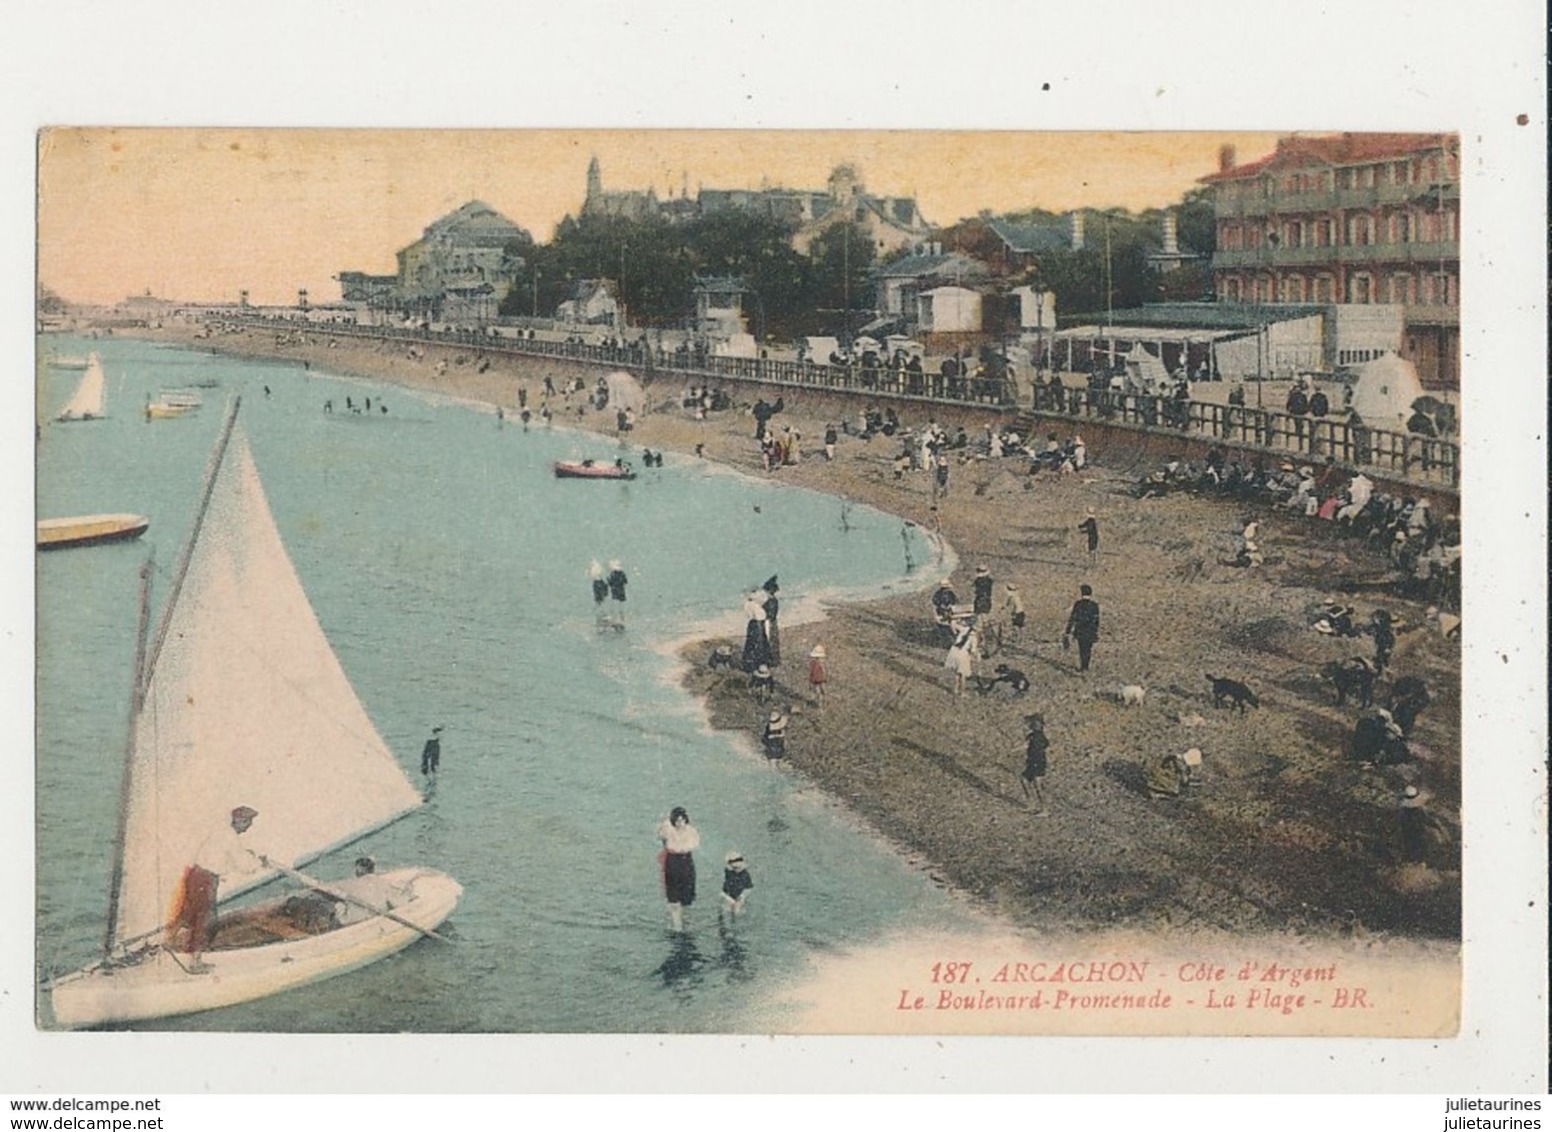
x,y
448,568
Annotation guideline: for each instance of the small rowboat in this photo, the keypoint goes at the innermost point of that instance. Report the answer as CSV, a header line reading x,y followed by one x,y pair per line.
x,y
588,470
172,403
89,530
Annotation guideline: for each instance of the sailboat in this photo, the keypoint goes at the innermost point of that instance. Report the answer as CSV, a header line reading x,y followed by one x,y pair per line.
x,y
86,403
239,701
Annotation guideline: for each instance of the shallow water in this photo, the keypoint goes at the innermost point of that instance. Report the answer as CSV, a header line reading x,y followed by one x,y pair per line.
x,y
448,568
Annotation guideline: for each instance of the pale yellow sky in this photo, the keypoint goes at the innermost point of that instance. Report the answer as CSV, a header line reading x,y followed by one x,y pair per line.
x,y
206,213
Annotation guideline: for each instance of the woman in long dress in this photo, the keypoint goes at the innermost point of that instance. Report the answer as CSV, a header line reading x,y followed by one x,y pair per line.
x,y
680,839
772,607
961,654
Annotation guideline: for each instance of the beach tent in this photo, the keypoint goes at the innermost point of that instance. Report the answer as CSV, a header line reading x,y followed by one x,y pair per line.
x,y
625,392
1144,369
1383,391
819,348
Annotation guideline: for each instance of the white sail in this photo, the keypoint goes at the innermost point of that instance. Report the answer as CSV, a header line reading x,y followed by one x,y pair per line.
x,y
86,403
245,704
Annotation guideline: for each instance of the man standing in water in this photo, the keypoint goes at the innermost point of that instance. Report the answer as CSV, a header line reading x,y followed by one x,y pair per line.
x,y
616,582
431,754
595,574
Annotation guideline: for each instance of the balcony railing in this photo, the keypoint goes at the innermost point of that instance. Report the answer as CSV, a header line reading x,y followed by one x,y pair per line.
x,y
1402,455
1270,258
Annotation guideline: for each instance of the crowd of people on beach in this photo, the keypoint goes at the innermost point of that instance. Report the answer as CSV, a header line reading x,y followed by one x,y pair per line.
x,y
980,636
1424,548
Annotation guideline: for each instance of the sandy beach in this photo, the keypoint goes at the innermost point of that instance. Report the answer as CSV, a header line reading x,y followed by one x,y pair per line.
x,y
1282,831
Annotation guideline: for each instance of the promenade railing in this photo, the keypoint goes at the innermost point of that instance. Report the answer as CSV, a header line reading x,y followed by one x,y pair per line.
x,y
1403,455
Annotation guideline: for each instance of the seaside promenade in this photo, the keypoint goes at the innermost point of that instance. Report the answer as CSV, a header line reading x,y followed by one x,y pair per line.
x,y
1059,400
1284,830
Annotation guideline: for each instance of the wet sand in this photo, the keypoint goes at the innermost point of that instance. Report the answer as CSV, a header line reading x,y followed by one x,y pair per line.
x,y
1282,832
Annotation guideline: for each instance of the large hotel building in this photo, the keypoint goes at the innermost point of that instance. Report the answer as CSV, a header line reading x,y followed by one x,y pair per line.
x,y
1349,218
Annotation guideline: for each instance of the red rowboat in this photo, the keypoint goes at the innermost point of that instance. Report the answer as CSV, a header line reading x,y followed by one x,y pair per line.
x,y
589,470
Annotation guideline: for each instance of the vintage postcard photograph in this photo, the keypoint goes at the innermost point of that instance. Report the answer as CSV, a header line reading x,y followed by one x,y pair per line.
x,y
749,582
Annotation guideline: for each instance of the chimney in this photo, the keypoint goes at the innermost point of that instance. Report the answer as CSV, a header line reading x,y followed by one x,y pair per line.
x,y
1225,158
1171,235
1075,223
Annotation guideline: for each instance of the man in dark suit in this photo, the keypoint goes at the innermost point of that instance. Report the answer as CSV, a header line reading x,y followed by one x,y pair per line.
x,y
1083,625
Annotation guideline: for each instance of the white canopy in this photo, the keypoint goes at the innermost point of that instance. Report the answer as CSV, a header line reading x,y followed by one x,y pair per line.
x,y
1384,391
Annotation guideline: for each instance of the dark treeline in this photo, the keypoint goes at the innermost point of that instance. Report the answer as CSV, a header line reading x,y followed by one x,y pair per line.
x,y
653,263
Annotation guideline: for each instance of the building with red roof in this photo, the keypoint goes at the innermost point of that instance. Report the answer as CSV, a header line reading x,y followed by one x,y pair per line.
x,y
1369,218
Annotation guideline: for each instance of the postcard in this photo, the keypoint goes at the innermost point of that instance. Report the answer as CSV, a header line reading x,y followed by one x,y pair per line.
x,y
649,583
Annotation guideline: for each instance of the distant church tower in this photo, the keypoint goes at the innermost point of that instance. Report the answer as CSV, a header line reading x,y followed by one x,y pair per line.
x,y
595,185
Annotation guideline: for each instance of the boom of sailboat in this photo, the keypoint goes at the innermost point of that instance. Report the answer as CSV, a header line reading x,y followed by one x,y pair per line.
x,y
240,704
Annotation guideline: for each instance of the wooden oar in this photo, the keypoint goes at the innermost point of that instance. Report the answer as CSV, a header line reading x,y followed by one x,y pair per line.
x,y
310,882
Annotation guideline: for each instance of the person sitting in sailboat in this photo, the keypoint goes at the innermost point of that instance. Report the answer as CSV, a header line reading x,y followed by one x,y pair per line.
x,y
373,892
222,856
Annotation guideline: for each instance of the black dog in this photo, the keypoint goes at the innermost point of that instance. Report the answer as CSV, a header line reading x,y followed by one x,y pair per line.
x,y
1005,675
1408,697
1232,692
1354,676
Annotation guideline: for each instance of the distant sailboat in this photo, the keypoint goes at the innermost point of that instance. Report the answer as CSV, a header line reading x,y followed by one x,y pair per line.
x,y
240,701
86,403
67,361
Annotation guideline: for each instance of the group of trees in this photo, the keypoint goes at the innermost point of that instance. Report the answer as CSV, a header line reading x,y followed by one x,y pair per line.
x,y
1111,271
653,263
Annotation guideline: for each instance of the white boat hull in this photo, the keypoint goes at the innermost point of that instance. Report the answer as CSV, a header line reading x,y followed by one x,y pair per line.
x,y
160,986
88,530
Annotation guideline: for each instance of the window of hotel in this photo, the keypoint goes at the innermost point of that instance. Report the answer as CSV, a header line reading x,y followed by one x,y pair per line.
x,y
1360,229
1253,237
1398,172
1292,233
1359,289
1324,286
1401,289
1231,290
1401,228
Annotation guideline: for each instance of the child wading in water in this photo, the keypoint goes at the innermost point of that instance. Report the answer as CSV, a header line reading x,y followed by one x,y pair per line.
x,y
736,883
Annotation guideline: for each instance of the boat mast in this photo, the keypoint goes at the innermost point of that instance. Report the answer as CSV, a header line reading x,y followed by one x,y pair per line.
x,y
136,698
145,663
211,469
